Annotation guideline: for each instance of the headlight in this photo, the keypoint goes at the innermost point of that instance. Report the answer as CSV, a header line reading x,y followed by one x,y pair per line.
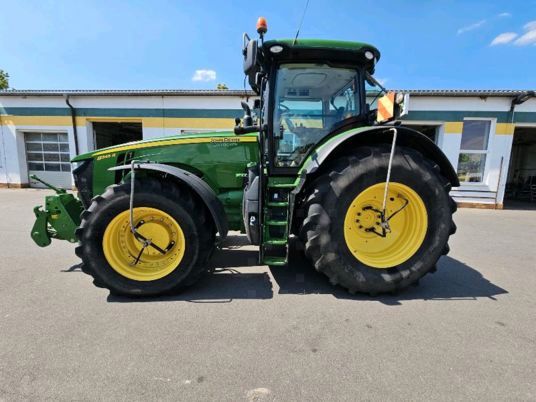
x,y
276,49
76,165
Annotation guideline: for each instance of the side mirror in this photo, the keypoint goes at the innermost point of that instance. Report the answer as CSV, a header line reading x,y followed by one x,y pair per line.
x,y
247,122
250,52
250,56
391,106
247,119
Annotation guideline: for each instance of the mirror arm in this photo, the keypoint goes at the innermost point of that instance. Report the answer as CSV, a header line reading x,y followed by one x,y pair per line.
x,y
371,78
245,41
238,130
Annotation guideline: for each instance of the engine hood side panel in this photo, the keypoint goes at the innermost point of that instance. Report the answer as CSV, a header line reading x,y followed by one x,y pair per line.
x,y
219,160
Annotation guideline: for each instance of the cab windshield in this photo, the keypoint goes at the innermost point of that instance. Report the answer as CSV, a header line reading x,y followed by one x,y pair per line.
x,y
310,99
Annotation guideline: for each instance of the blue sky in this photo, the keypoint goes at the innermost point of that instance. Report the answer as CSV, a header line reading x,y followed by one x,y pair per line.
x,y
196,44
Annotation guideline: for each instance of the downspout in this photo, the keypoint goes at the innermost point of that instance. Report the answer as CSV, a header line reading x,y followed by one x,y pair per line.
x,y
4,151
73,119
518,100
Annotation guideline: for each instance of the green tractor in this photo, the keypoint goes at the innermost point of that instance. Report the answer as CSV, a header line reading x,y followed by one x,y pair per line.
x,y
320,156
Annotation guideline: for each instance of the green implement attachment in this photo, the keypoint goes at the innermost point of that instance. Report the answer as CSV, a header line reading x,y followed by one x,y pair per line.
x,y
60,218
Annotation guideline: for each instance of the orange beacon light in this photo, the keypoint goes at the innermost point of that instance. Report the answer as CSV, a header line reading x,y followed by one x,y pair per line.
x,y
262,26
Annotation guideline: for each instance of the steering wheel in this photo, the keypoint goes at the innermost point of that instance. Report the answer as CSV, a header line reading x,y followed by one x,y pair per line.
x,y
285,116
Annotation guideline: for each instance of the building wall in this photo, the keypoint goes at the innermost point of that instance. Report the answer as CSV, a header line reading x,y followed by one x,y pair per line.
x,y
159,115
171,115
450,113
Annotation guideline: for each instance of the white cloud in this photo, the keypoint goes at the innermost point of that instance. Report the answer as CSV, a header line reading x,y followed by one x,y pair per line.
x,y
530,26
526,39
382,81
471,27
503,38
204,75
504,15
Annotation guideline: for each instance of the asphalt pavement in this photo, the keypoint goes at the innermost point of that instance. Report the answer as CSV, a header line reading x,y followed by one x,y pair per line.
x,y
251,333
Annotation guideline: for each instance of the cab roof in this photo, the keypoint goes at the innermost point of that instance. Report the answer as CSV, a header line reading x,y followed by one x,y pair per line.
x,y
323,49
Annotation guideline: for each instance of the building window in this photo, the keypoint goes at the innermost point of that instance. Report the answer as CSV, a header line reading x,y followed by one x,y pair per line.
x,y
474,151
47,152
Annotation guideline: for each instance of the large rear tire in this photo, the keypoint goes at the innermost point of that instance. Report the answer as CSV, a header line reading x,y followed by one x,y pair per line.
x,y
164,212
342,232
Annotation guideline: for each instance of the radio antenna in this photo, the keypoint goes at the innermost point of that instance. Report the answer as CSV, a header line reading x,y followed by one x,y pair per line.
x,y
301,22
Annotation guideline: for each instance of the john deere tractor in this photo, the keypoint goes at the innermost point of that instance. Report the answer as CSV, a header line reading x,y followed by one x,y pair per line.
x,y
320,155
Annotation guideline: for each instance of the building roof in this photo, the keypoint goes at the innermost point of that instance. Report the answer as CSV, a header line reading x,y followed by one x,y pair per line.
x,y
237,92
465,92
126,92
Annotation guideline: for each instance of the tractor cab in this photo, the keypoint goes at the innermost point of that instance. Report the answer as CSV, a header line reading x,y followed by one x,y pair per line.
x,y
309,89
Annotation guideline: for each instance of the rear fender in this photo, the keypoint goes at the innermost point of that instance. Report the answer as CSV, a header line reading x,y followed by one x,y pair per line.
x,y
345,141
197,185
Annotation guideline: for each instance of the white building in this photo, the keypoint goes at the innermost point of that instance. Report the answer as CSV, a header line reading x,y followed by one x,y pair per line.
x,y
489,136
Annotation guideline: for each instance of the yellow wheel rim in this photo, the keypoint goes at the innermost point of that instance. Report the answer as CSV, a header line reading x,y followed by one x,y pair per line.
x,y
121,248
408,227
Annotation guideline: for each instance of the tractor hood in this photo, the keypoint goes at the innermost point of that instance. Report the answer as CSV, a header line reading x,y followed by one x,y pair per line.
x,y
161,142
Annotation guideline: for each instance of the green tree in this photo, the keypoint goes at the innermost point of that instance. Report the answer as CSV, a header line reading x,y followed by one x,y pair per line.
x,y
221,86
4,79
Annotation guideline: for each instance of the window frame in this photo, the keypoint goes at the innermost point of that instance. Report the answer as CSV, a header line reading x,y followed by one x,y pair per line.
x,y
487,151
271,89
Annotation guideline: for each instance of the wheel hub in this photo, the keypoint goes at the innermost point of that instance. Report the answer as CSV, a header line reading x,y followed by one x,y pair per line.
x,y
151,256
364,233
367,219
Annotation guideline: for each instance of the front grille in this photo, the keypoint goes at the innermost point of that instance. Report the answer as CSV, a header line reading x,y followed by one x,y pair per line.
x,y
83,178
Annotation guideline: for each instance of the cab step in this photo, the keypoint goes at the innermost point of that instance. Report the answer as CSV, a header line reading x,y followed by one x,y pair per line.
x,y
274,247
276,223
277,204
276,242
281,185
277,261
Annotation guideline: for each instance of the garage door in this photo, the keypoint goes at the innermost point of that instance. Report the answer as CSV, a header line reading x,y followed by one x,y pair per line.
x,y
47,155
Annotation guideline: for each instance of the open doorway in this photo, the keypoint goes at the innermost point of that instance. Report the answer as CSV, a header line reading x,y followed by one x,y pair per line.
x,y
430,130
109,134
521,180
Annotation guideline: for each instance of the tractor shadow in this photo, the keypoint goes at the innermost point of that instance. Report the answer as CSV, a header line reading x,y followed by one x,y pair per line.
x,y
228,282
453,280
238,276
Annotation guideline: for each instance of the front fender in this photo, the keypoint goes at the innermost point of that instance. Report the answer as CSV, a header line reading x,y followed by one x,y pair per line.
x,y
197,185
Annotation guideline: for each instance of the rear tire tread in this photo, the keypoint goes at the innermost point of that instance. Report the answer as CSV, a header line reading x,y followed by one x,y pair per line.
x,y
315,228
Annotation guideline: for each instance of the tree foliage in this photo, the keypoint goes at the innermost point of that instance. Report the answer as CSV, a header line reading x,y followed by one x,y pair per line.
x,y
222,86
4,79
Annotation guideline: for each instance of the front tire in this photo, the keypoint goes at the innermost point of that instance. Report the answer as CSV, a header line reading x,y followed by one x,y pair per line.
x,y
342,232
180,229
